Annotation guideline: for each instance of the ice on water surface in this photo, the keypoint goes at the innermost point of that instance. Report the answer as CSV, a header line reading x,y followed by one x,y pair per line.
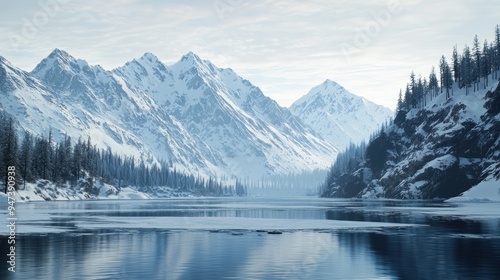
x,y
300,214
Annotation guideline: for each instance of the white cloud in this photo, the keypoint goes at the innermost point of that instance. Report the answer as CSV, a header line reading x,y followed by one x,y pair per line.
x,y
284,47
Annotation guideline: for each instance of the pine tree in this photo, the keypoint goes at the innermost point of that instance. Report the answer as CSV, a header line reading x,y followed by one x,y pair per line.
x,y
400,102
433,83
50,157
485,64
9,150
425,91
446,76
62,160
77,160
142,175
477,63
407,97
420,93
42,158
492,57
456,65
467,68
413,89
497,51
25,158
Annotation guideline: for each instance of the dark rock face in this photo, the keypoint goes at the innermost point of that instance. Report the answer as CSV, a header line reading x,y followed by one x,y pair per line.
x,y
435,152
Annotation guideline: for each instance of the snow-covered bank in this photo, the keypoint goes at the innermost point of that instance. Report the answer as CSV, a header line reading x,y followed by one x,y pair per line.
x,y
44,190
484,191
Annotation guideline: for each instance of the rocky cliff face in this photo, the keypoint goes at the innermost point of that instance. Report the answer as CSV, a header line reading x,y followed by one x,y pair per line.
x,y
438,151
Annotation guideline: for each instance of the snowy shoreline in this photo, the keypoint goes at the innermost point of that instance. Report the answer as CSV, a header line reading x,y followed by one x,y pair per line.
x,y
483,192
47,191
486,191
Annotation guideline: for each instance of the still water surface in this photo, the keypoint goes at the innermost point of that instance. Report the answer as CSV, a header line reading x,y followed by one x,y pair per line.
x,y
227,238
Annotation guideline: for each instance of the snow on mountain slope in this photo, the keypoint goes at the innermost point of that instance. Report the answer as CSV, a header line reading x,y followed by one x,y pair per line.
x,y
70,97
206,120
338,115
252,133
30,101
438,151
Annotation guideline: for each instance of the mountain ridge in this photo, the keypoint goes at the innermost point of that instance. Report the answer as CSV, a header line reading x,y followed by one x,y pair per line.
x,y
213,103
205,119
77,104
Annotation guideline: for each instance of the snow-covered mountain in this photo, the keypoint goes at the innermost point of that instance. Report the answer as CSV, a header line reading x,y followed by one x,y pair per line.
x,y
338,115
70,97
438,151
251,132
204,119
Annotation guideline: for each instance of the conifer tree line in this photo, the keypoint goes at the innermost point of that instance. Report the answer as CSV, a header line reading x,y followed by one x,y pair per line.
x,y
470,70
346,161
349,159
299,183
39,157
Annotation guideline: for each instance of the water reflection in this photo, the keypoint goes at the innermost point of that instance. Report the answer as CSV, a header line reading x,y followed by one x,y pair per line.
x,y
423,255
191,255
449,247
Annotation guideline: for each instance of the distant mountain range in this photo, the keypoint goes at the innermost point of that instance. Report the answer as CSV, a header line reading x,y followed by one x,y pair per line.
x,y
204,119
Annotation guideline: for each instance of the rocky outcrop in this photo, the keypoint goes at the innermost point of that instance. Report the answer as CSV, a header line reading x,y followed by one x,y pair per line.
x,y
438,151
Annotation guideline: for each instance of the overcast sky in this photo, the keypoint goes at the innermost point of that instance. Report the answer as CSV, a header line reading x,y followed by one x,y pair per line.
x,y
284,47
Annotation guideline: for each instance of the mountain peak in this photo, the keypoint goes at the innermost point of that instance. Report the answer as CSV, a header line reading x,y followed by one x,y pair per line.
x,y
190,56
4,61
57,53
191,59
61,64
331,87
150,57
57,58
330,82
339,115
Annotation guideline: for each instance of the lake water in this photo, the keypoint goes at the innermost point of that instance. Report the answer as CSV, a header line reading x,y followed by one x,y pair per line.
x,y
229,238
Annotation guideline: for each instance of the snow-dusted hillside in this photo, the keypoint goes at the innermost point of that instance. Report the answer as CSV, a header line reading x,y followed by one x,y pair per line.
x,y
338,115
438,151
206,120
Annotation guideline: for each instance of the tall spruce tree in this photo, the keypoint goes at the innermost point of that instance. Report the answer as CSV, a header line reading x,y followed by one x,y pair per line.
x,y
400,105
433,83
496,45
485,64
446,76
9,150
26,158
477,63
456,65
467,68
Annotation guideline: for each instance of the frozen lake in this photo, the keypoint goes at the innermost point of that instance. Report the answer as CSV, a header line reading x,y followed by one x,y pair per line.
x,y
229,238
